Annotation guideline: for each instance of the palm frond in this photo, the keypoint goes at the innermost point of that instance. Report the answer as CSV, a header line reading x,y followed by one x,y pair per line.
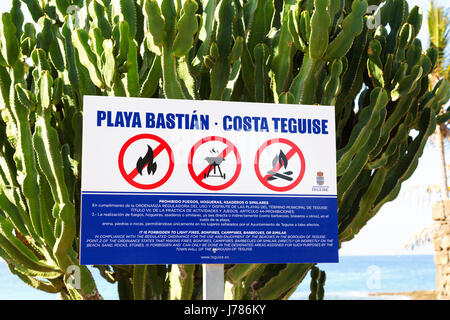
x,y
422,237
439,31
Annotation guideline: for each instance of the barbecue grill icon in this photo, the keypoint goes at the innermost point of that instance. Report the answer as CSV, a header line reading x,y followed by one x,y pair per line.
x,y
214,163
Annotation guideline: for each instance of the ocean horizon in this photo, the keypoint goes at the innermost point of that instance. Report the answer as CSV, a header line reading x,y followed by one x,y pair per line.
x,y
353,278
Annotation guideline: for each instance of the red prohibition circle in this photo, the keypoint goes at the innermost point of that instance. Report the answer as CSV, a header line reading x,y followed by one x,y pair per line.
x,y
295,149
230,148
163,146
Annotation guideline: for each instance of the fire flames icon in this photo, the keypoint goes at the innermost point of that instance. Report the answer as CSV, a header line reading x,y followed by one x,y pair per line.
x,y
147,161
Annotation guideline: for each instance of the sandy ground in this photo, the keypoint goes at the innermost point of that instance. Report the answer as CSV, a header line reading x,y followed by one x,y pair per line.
x,y
413,295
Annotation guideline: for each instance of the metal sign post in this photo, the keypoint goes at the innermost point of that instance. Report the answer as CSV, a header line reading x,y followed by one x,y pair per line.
x,y
213,282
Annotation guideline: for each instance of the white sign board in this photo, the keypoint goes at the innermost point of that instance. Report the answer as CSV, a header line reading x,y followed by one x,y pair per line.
x,y
182,181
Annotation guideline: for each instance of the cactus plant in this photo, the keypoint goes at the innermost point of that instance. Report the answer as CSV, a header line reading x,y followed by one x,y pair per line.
x,y
317,52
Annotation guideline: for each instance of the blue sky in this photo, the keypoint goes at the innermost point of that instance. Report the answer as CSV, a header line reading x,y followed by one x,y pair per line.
x,y
390,229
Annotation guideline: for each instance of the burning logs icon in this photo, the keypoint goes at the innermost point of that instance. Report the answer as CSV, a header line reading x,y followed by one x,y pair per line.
x,y
282,161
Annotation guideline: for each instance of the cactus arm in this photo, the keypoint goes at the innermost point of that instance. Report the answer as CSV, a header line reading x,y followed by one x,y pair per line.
x,y
10,44
260,24
156,281
182,281
313,284
128,11
399,112
41,274
395,12
132,77
297,85
443,118
87,57
283,281
304,28
281,64
47,220
239,271
399,138
70,63
12,212
317,284
187,81
303,86
374,64
172,87
124,286
97,12
261,54
245,289
151,83
346,206
405,38
57,52
17,17
39,285
86,85
46,142
5,85
186,27
407,84
109,68
140,274
174,282
234,86
352,25
368,119
332,83
353,78
321,283
35,283
270,51
187,280
123,43
205,33
320,21
156,22
396,175
87,290
35,9
365,203
335,12
18,252
26,154
294,31
360,160
97,39
286,98
220,72
106,273
11,188
415,20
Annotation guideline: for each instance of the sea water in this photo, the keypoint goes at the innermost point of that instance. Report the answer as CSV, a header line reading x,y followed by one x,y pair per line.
x,y
354,277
